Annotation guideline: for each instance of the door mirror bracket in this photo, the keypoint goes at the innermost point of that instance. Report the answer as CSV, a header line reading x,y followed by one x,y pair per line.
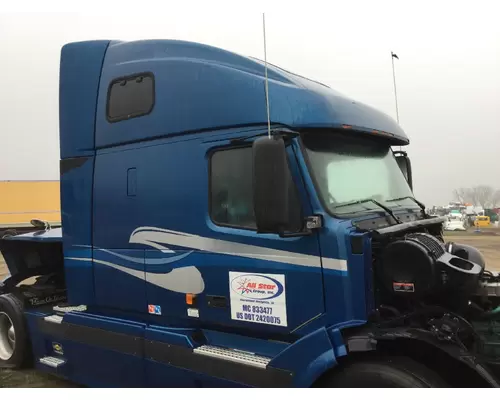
x,y
405,165
311,223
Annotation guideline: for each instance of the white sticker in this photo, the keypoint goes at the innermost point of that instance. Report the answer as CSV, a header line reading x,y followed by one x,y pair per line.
x,y
258,298
193,312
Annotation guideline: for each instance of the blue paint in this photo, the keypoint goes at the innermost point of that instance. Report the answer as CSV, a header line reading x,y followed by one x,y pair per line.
x,y
76,216
339,347
80,71
154,171
52,235
309,358
176,337
182,106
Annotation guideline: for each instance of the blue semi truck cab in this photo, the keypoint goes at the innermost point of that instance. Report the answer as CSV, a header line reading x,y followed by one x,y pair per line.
x,y
201,247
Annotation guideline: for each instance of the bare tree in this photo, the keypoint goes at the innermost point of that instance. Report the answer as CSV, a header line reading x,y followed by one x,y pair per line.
x,y
463,195
482,195
495,198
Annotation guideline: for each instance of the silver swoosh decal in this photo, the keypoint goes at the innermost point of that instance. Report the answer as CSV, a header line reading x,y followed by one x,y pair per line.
x,y
179,280
158,237
150,261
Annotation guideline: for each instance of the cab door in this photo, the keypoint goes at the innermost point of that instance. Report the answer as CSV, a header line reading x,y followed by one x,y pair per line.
x,y
260,282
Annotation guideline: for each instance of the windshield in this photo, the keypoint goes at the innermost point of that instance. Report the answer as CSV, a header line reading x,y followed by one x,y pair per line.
x,y
348,169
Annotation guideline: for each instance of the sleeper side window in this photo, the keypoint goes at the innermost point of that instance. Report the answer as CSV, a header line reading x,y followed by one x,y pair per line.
x,y
231,188
130,97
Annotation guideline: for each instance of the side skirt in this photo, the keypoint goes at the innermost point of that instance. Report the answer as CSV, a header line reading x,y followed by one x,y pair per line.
x,y
224,364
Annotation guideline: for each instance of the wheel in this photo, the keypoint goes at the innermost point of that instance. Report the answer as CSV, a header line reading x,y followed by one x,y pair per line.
x,y
388,372
15,348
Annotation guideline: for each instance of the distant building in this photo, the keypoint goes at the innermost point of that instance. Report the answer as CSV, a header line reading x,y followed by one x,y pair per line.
x,y
22,201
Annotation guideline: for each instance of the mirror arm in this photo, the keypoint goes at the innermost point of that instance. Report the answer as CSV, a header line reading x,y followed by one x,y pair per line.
x,y
311,223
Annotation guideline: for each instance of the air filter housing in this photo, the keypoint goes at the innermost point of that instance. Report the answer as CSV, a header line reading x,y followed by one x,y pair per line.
x,y
418,265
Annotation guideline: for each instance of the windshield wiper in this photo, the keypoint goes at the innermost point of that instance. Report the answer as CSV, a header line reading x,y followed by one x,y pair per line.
x,y
385,208
421,205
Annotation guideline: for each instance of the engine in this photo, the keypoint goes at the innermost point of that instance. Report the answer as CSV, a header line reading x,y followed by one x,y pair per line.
x,y
419,267
443,289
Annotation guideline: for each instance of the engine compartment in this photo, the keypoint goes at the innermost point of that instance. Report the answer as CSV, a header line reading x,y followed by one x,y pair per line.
x,y
418,267
441,288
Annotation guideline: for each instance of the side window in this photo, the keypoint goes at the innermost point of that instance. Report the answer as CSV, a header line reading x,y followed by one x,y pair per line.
x,y
130,97
231,189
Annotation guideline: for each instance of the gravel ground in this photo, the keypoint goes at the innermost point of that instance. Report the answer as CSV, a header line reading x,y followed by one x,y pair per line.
x,y
31,379
488,244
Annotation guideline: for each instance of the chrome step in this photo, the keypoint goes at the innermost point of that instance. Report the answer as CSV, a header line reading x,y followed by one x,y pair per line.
x,y
238,356
56,319
66,309
53,362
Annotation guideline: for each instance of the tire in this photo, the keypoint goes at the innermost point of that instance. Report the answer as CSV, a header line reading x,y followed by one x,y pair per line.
x,y
15,348
388,372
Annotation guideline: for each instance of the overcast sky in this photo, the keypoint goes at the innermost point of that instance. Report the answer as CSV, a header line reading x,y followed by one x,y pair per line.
x,y
448,75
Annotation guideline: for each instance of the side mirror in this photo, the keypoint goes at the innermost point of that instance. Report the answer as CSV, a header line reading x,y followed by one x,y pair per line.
x,y
272,185
405,165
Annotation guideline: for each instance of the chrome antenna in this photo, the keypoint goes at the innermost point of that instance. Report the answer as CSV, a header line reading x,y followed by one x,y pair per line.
x,y
265,68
